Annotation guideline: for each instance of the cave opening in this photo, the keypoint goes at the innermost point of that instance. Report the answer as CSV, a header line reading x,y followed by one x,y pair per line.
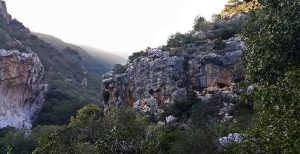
x,y
221,85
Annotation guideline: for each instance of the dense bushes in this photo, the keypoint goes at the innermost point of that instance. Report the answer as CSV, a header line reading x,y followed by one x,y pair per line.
x,y
200,24
182,108
21,141
278,107
273,43
136,55
272,63
63,99
240,7
219,44
180,40
89,132
193,141
119,69
123,131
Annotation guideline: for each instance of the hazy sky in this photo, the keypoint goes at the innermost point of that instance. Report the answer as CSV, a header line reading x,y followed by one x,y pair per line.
x,y
119,26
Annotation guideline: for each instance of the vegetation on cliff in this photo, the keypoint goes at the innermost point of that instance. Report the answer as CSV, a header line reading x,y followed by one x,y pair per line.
x,y
266,114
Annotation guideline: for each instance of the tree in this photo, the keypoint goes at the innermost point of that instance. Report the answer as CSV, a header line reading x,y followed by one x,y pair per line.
x,y
278,107
272,37
88,113
194,141
120,131
119,69
200,24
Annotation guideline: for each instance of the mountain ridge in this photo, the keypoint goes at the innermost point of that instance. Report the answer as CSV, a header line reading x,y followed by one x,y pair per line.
x,y
93,59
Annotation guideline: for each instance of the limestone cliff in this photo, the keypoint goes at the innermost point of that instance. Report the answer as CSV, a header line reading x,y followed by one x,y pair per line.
x,y
152,83
22,88
148,82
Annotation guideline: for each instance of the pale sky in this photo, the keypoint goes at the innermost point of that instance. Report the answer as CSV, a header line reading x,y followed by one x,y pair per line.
x,y
118,26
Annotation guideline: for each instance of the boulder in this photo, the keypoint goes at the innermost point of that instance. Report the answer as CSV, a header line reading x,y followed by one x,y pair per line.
x,y
231,138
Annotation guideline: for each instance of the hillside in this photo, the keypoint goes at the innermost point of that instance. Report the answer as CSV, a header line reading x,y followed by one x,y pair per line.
x,y
73,76
230,85
95,60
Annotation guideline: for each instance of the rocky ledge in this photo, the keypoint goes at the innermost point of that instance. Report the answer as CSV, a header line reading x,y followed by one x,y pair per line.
x,y
22,88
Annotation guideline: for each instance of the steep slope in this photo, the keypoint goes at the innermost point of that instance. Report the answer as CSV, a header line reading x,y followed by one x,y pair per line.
x,y
71,85
198,68
103,55
95,60
22,88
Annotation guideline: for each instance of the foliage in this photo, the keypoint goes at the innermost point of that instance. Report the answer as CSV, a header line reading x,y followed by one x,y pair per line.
x,y
64,72
278,106
182,108
194,141
136,55
86,114
119,69
229,31
123,131
180,40
19,141
240,7
219,44
63,99
272,63
200,24
273,41
120,131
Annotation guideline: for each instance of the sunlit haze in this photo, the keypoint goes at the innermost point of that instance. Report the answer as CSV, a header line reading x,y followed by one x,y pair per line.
x,y
118,26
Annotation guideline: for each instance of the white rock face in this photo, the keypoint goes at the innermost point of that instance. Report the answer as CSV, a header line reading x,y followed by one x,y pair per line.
x,y
231,138
170,119
22,88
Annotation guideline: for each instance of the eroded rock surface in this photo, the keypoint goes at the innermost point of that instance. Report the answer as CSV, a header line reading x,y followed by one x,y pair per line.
x,y
22,88
148,83
152,83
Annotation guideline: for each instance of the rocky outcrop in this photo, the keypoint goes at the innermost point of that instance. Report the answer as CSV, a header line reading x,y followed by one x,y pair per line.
x,y
152,83
231,138
22,88
147,84
3,12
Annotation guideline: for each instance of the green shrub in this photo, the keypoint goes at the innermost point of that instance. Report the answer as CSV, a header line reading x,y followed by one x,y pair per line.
x,y
272,63
194,141
219,44
119,69
200,24
182,109
121,131
179,40
136,55
278,105
229,32
273,42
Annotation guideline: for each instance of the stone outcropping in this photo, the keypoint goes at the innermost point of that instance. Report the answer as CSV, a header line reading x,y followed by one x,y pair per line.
x,y
152,83
147,84
22,88
231,138
3,12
